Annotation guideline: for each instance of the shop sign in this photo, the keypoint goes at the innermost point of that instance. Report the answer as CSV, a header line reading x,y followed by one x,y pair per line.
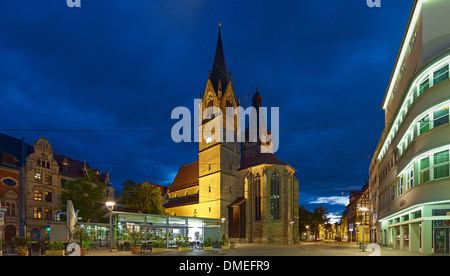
x,y
442,223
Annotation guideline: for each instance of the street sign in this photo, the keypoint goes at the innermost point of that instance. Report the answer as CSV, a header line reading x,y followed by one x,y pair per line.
x,y
350,227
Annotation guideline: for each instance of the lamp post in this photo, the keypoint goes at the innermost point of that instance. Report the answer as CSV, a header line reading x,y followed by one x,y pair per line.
x,y
110,206
364,218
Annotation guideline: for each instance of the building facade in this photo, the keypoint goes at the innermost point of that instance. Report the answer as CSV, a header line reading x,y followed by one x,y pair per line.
x,y
32,179
250,190
410,200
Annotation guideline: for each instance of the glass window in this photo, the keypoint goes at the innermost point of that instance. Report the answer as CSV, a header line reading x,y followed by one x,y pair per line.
x,y
411,178
441,164
424,124
37,213
424,170
440,75
257,197
9,182
423,86
48,196
440,117
38,177
37,195
275,197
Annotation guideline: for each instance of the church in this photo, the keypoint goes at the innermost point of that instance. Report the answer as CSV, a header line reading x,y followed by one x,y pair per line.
x,y
247,187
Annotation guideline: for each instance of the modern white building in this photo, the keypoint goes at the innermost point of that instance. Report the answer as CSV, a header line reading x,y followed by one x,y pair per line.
x,y
409,173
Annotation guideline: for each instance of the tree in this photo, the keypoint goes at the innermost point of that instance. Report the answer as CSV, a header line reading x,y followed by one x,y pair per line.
x,y
305,219
142,198
319,216
87,195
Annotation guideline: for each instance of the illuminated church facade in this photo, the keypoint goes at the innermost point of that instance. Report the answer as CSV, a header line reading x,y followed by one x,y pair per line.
x,y
248,188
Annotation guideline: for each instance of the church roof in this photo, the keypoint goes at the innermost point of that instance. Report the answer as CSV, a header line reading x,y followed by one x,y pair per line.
x,y
219,70
187,176
260,158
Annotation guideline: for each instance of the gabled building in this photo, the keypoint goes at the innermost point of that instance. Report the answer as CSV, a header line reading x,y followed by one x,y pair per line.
x,y
32,178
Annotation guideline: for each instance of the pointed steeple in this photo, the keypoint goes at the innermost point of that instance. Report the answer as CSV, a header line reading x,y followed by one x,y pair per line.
x,y
219,70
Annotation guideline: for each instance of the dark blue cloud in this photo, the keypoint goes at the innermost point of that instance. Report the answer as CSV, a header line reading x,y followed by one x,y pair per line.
x,y
120,65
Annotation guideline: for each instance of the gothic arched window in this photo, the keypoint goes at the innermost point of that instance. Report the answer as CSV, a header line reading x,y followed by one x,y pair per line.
x,y
257,193
275,196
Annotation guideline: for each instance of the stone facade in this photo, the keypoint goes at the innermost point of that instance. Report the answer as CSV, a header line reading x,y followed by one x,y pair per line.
x,y
253,193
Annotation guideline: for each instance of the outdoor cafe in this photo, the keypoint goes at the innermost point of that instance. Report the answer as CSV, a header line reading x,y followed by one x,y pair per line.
x,y
169,228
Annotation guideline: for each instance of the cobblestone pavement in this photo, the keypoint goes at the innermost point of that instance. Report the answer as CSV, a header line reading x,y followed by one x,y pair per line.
x,y
302,249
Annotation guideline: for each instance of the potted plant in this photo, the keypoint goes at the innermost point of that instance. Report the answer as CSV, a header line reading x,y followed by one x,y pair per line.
x,y
22,245
136,236
233,245
83,236
207,244
224,242
158,245
183,245
56,248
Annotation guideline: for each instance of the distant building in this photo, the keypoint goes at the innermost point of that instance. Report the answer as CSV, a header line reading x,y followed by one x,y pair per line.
x,y
410,171
32,179
253,193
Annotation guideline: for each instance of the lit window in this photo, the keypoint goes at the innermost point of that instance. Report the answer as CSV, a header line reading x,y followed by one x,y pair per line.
x,y
440,75
425,170
441,164
275,196
440,117
424,124
38,177
424,85
37,213
37,195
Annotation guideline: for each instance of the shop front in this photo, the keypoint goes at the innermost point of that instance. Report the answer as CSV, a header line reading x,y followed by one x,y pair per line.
x,y
169,228
441,236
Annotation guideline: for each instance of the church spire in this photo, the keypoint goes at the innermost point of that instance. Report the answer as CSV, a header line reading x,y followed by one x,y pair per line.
x,y
219,70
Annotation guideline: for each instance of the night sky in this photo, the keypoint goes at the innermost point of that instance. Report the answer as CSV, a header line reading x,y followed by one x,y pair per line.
x,y
100,81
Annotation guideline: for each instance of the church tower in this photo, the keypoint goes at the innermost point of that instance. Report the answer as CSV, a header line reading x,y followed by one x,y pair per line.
x,y
219,151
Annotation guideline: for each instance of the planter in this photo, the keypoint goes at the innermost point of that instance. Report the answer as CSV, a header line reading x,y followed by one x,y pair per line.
x,y
157,250
54,253
225,247
207,248
233,246
82,251
22,253
182,249
135,250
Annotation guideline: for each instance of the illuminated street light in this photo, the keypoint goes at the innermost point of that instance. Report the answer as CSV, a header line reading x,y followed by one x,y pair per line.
x,y
364,218
110,206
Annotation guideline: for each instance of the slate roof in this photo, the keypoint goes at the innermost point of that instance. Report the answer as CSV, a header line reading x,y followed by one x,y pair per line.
x,y
260,158
187,176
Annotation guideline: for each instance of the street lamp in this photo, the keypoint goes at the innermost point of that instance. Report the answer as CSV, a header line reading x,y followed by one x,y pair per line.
x,y
110,206
364,218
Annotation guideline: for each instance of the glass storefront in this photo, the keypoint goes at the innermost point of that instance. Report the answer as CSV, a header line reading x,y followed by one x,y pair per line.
x,y
169,228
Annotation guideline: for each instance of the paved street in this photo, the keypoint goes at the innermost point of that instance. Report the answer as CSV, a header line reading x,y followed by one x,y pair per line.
x,y
302,249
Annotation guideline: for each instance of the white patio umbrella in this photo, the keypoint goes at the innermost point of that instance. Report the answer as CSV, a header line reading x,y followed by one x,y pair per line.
x,y
71,216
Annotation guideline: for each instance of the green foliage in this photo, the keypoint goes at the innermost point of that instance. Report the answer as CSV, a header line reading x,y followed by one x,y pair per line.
x,y
224,240
87,195
135,235
144,198
56,245
159,243
207,242
82,236
21,242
